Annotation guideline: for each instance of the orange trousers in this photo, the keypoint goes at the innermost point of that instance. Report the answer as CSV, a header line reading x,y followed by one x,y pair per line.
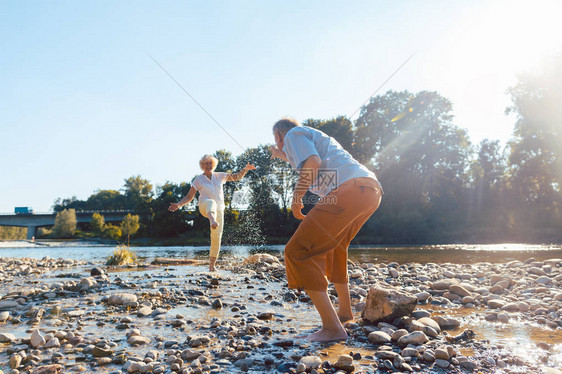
x,y
317,251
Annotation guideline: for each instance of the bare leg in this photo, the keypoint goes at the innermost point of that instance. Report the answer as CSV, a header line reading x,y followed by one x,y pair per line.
x,y
344,310
332,328
212,220
212,262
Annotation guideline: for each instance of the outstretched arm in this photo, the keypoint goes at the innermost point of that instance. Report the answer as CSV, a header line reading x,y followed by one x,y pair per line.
x,y
186,200
237,176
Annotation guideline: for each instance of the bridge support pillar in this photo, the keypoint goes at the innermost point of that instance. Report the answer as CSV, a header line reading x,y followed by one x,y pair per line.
x,y
31,232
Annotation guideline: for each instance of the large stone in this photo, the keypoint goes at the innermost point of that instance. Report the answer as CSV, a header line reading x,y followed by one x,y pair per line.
x,y
496,303
415,338
446,323
137,340
345,363
443,284
385,303
459,290
4,316
37,339
426,321
8,304
379,337
6,337
48,369
122,298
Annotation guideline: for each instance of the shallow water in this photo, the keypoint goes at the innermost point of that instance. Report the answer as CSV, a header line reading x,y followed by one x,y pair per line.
x,y
453,253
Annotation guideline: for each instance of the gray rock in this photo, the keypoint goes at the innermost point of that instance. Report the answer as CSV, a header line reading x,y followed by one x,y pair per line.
x,y
122,298
443,284
386,303
37,339
423,296
415,338
8,304
442,363
426,321
144,311
311,362
379,337
137,340
496,303
4,316
459,290
468,365
7,337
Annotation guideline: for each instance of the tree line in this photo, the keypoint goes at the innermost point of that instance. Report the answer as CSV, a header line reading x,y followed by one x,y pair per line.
x,y
439,187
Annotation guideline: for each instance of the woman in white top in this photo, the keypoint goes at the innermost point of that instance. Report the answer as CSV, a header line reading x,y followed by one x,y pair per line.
x,y
211,199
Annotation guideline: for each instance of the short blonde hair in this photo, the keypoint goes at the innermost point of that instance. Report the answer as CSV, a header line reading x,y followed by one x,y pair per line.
x,y
211,158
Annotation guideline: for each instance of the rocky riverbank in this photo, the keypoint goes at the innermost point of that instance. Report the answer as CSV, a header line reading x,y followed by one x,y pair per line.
x,y
71,316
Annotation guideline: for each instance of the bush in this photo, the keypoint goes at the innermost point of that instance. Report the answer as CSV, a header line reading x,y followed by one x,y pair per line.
x,y
65,224
122,256
97,224
112,232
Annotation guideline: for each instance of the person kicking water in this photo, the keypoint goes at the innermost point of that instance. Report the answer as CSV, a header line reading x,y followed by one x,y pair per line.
x,y
211,199
317,252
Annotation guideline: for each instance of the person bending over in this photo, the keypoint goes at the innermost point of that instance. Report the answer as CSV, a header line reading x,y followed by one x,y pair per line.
x,y
317,252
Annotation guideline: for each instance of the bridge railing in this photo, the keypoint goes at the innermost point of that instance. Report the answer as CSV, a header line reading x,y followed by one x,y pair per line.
x,y
77,212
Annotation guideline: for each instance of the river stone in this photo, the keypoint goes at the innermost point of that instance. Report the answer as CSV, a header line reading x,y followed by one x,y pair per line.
x,y
459,290
311,362
15,361
415,338
544,280
427,321
385,303
398,334
442,353
379,337
122,298
442,363
503,317
137,340
144,311
345,363
443,284
6,337
8,304
52,343
510,307
537,271
468,365
4,316
101,352
496,303
37,339
423,296
410,352
189,354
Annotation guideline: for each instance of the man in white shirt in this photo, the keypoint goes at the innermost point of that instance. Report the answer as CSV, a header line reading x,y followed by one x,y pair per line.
x,y
317,251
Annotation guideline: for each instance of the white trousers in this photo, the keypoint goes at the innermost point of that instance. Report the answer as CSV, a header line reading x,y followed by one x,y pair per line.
x,y
210,206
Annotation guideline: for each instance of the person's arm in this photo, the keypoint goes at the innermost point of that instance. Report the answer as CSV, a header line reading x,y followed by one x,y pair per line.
x,y
306,175
237,176
186,200
276,152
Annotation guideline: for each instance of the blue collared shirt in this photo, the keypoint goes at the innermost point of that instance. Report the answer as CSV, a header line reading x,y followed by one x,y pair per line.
x,y
337,167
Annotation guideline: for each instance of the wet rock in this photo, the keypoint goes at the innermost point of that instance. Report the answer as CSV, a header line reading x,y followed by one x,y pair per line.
x,y
15,361
137,340
4,316
459,290
423,296
48,369
266,315
426,321
386,303
122,299
311,362
503,317
446,322
37,339
379,337
345,363
8,304
496,303
7,338
217,304
442,363
415,338
468,365
101,352
144,311
97,271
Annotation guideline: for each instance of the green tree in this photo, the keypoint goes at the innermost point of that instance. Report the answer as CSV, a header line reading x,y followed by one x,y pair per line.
x,y
112,232
97,223
171,224
139,197
129,226
65,224
339,128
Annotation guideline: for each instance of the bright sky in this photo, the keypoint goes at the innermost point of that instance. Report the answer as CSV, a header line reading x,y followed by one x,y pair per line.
x,y
83,106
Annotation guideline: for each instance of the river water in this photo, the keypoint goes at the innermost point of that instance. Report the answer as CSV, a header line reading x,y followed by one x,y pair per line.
x,y
453,253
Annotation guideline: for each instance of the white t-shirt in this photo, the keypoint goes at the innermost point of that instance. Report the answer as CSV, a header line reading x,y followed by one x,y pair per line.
x,y
211,188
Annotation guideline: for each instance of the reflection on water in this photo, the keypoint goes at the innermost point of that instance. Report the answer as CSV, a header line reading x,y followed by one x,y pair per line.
x,y
454,253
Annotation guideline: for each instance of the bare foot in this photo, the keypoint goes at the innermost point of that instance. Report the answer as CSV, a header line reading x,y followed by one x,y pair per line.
x,y
214,224
344,319
212,268
327,336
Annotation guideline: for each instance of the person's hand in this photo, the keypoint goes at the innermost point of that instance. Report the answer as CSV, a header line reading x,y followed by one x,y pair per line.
x,y
275,152
297,206
173,207
250,166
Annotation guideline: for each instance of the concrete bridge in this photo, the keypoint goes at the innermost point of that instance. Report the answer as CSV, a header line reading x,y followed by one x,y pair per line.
x,y
33,221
